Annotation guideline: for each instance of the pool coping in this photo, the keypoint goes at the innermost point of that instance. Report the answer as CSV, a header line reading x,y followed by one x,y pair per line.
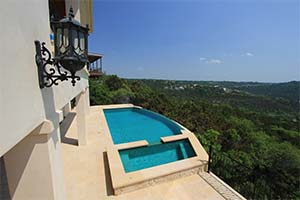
x,y
125,182
174,137
129,145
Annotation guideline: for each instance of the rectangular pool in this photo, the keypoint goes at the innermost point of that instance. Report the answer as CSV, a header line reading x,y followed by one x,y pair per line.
x,y
134,124
154,155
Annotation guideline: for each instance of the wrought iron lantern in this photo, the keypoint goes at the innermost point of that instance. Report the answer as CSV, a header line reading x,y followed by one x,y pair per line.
x,y
70,52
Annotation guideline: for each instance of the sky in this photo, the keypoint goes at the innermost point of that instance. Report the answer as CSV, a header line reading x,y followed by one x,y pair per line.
x,y
231,40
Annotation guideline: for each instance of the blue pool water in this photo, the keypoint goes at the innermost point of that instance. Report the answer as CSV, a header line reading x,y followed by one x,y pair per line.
x,y
133,124
154,155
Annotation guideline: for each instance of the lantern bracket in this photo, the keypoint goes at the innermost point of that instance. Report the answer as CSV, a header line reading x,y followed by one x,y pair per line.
x,y
49,70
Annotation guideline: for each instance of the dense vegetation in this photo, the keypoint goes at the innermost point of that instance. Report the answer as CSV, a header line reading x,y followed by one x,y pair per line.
x,y
253,127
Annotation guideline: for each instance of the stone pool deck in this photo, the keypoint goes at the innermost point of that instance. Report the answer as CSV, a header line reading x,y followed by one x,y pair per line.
x,y
87,172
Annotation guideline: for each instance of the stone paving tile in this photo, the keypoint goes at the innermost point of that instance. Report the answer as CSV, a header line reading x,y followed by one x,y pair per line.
x,y
225,190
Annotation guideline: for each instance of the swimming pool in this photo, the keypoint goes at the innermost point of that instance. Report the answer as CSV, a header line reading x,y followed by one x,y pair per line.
x,y
154,155
145,148
134,124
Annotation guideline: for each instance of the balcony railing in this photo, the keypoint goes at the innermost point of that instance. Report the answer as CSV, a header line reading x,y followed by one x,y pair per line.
x,y
253,182
95,65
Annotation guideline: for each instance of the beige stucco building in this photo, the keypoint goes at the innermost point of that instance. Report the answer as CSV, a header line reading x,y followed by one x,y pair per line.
x,y
30,117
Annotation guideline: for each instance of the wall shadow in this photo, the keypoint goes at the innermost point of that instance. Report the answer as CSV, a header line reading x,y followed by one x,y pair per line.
x,y
109,187
4,190
64,127
22,161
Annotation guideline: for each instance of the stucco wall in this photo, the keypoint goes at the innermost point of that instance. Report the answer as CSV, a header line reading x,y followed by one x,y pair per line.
x,y
23,105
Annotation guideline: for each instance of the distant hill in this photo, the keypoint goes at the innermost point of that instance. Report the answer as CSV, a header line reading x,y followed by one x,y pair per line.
x,y
289,90
270,97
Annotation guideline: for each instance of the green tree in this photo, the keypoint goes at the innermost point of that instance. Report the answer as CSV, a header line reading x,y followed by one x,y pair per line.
x,y
113,82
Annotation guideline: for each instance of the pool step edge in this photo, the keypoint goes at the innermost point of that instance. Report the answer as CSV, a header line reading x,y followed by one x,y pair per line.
x,y
161,179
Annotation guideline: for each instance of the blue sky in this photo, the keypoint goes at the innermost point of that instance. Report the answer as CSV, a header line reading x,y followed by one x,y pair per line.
x,y
239,40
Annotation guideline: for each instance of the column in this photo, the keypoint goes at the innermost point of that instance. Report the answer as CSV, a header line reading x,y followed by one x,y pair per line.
x,y
81,118
87,100
34,167
101,64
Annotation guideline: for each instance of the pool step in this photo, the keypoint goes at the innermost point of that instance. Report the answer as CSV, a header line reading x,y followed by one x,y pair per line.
x,y
130,145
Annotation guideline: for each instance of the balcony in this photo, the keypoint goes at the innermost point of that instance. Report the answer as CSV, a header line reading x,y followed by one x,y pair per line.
x,y
95,65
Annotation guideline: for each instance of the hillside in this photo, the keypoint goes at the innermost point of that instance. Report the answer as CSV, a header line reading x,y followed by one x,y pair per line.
x,y
260,132
269,97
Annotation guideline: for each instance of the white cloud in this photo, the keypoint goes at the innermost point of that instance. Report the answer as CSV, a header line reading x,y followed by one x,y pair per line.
x,y
211,60
249,54
214,61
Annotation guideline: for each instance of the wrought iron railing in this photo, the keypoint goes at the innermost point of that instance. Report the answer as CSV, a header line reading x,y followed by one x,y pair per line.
x,y
255,182
95,66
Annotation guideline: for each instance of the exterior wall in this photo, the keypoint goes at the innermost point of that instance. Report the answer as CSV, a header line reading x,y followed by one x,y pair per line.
x,y
35,162
29,116
86,7
83,7
23,105
76,8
